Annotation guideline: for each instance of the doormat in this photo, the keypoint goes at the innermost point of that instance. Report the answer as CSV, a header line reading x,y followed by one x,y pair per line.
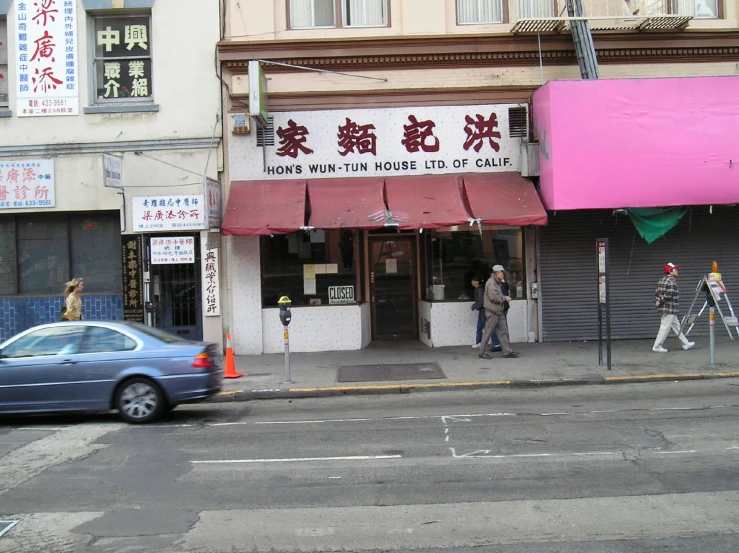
x,y
390,371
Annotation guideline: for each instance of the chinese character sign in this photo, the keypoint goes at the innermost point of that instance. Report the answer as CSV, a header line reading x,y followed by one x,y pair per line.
x,y
46,57
383,142
156,213
211,286
133,278
27,183
122,58
170,250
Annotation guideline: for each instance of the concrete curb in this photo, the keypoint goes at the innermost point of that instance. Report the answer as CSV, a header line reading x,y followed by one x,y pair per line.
x,y
407,388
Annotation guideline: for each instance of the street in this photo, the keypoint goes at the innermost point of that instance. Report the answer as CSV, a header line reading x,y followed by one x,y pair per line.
x,y
625,468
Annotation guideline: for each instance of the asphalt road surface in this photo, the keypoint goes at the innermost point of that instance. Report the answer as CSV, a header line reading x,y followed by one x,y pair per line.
x,y
622,469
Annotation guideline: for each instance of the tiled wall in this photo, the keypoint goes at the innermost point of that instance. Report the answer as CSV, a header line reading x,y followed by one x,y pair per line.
x,y
18,314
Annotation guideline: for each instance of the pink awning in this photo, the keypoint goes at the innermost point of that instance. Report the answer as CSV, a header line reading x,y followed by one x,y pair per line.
x,y
427,201
504,199
265,207
346,203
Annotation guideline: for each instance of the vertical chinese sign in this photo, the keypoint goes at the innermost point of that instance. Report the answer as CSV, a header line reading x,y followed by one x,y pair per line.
x,y
46,35
133,278
211,288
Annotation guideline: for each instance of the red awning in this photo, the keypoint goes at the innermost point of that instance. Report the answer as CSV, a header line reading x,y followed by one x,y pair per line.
x,y
504,199
265,207
428,201
346,203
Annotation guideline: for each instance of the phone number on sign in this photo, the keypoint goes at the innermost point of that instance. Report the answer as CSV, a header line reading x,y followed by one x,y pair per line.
x,y
27,203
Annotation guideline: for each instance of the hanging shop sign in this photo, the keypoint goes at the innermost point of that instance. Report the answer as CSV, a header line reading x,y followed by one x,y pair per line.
x,y
133,278
383,142
211,287
212,193
170,250
162,213
46,58
28,183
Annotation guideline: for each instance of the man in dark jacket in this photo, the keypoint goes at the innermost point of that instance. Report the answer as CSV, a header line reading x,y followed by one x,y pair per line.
x,y
493,301
477,306
667,300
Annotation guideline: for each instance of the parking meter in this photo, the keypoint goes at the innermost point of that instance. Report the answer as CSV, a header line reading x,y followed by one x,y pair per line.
x,y
286,316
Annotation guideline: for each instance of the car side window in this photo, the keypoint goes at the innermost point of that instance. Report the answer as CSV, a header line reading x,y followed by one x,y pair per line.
x,y
55,340
101,340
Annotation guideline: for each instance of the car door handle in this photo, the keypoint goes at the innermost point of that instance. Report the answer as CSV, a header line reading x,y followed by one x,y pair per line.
x,y
69,362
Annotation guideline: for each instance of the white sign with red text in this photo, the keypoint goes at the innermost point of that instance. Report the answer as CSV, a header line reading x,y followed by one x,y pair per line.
x,y
46,57
169,250
27,183
384,142
166,213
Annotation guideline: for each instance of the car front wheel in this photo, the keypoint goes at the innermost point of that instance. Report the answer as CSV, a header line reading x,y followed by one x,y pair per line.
x,y
139,400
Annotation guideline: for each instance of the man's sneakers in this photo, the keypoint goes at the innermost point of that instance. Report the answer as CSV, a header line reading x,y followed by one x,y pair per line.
x,y
686,347
476,346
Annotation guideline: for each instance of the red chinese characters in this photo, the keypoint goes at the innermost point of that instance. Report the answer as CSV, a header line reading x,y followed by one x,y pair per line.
x,y
357,138
419,135
292,140
43,78
479,129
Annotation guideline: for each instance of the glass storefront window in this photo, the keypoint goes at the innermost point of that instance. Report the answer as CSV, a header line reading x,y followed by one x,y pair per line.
x,y
312,268
454,255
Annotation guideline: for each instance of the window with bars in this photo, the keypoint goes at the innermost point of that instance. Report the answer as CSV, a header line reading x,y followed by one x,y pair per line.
x,y
309,14
39,253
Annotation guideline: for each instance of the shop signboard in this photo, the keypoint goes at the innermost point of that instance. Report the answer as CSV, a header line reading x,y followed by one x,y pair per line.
x,y
211,286
170,250
167,213
384,142
46,58
133,278
27,183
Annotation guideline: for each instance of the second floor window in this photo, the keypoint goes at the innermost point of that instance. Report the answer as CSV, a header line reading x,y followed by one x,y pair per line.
x,y
3,62
470,12
123,59
308,14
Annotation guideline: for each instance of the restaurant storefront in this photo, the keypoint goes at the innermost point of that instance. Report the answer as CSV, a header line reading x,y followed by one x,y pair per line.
x,y
373,222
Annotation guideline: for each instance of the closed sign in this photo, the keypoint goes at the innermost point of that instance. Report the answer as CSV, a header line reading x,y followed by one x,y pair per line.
x,y
340,294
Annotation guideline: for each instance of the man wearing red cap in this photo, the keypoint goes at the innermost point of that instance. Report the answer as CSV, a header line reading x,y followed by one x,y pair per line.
x,y
667,300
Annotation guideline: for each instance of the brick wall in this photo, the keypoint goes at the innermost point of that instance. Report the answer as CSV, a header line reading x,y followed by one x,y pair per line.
x,y
18,314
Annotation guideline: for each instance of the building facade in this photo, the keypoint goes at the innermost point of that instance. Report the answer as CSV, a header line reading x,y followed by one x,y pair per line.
x,y
109,161
370,245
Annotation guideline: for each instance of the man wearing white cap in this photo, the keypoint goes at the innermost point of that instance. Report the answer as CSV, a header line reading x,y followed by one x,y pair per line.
x,y
494,300
667,300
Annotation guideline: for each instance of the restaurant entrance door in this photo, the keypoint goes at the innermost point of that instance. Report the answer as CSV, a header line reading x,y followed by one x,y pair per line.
x,y
393,287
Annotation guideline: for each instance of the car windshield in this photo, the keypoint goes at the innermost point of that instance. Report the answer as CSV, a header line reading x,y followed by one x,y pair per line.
x,y
165,337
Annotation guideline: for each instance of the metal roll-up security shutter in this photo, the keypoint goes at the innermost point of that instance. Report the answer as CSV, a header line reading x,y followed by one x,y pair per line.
x,y
568,269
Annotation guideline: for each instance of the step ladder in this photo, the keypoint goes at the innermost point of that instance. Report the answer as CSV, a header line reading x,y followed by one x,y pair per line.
x,y
715,292
583,38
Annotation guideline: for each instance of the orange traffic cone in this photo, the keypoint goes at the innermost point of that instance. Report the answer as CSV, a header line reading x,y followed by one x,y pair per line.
x,y
230,371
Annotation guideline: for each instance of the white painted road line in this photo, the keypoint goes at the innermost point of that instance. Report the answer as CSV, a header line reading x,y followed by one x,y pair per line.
x,y
297,460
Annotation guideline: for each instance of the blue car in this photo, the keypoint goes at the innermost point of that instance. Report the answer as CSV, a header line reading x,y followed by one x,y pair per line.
x,y
95,366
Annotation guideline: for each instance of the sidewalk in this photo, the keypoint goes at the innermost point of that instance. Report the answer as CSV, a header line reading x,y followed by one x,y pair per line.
x,y
540,364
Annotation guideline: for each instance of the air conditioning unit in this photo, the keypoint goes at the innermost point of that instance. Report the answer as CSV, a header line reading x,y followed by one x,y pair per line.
x,y
529,159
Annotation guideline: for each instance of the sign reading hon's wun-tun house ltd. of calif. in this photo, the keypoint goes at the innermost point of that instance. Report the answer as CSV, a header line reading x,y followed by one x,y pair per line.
x,y
383,142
